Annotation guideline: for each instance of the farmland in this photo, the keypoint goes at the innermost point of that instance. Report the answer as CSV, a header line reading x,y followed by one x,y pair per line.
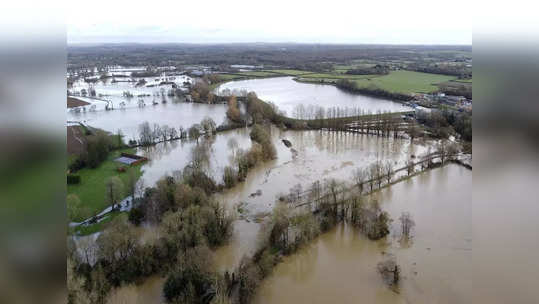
x,y
406,82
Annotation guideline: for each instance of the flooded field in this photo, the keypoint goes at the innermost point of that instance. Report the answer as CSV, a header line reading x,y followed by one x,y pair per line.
x,y
287,93
315,156
167,157
150,104
340,266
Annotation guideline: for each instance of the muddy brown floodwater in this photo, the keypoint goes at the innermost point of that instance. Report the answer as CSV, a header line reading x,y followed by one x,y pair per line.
x,y
317,155
340,265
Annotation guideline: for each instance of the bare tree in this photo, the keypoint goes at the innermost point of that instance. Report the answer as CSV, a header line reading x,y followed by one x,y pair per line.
x,y
232,144
156,132
295,193
413,131
208,125
407,223
113,190
359,176
379,172
452,150
442,150
315,193
131,182
389,270
194,132
145,134
165,131
173,134
388,171
181,132
409,167
373,171
87,250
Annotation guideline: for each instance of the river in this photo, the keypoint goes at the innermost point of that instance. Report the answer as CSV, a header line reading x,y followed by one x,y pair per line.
x,y
287,94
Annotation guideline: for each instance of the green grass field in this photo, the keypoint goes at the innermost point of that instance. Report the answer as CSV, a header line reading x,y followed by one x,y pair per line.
x,y
342,68
406,82
227,77
259,74
290,72
338,76
91,190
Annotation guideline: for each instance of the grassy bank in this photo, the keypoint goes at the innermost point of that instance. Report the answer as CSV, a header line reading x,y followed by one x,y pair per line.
x,y
91,189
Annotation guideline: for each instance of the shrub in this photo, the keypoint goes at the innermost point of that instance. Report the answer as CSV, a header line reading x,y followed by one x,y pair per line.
x,y
136,215
230,177
191,279
73,179
261,136
77,164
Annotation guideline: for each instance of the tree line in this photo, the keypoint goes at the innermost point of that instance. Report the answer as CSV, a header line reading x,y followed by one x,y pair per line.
x,y
151,135
351,86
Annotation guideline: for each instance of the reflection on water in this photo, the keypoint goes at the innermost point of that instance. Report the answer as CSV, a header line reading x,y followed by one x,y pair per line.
x,y
340,266
287,93
319,155
172,114
165,158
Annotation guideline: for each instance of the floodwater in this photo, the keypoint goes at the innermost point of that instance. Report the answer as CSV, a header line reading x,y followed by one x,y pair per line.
x,y
340,265
319,155
167,157
287,93
314,155
173,114
129,113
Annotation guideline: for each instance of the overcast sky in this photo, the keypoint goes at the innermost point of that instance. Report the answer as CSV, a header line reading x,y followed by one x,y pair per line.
x,y
329,21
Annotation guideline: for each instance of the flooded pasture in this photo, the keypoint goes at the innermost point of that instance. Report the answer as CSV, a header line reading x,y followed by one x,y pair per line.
x,y
287,94
150,104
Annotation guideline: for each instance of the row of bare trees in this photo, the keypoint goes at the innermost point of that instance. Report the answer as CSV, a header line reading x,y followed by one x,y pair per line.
x,y
150,135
